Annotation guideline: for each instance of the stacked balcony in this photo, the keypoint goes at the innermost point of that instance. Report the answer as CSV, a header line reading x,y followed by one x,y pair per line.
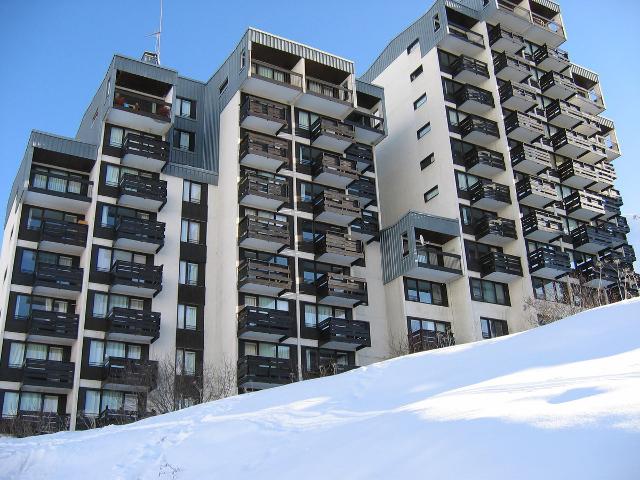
x,y
44,325
265,324
334,170
500,267
517,96
338,248
326,98
548,263
460,39
362,155
503,40
48,376
139,151
513,16
510,68
536,192
611,206
256,372
263,233
274,82
139,279
617,231
474,100
563,114
264,152
489,195
469,70
584,206
343,334
364,191
130,325
129,374
263,115
557,86
588,101
597,151
139,235
332,135
263,278
53,280
140,112
570,144
61,192
366,227
484,162
263,192
598,273
529,159
341,290
542,226
424,340
611,148
495,231
523,128
436,266
582,175
545,29
589,125
336,208
479,130
141,192
60,236
591,240
551,59
622,254
369,129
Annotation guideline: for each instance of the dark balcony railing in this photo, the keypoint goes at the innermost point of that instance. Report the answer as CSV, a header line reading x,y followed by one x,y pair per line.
x,y
43,323
498,262
545,258
72,187
258,107
147,188
500,227
130,372
552,79
346,332
482,190
584,200
326,369
329,90
474,123
365,189
498,33
567,137
362,154
516,120
142,105
344,286
147,231
264,273
337,243
469,93
586,234
136,144
481,156
135,274
368,224
127,321
544,52
333,128
68,233
598,273
436,259
471,65
58,276
561,107
574,168
510,90
265,146
275,74
465,34
48,373
335,165
265,229
526,153
425,340
38,423
542,221
336,202
365,120
265,320
263,186
502,61
536,186
253,369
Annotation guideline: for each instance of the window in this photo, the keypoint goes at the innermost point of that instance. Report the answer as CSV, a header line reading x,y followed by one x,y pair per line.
x,y
492,328
475,251
266,302
10,404
19,351
243,58
425,162
306,119
185,362
416,73
314,314
422,99
184,140
436,22
185,108
106,258
223,86
413,44
425,292
549,290
421,324
465,181
188,274
28,261
190,231
116,136
430,194
489,292
268,350
187,317
404,238
100,351
423,130
191,192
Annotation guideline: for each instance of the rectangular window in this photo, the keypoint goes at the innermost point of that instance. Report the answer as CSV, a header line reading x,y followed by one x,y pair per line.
x,y
492,328
188,274
191,192
489,292
425,162
10,404
425,292
413,44
423,130
422,99
185,362
28,261
430,194
190,231
416,73
436,22
187,317
92,402
116,137
184,140
185,108
223,86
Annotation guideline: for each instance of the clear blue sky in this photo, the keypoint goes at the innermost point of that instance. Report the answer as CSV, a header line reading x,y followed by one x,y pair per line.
x,y
54,54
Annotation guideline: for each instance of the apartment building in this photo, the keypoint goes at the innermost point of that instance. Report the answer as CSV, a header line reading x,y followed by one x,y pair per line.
x,y
293,221
496,178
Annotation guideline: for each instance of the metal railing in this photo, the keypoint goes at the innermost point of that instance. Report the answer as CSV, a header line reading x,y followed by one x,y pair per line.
x,y
427,257
329,90
142,104
276,74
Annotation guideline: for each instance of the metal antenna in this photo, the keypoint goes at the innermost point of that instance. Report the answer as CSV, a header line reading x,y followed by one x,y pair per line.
x,y
158,34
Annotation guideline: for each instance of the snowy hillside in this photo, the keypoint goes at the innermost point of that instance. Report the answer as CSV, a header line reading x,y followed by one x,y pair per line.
x,y
558,402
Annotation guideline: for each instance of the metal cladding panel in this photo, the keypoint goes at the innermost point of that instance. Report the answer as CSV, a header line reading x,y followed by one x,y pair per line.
x,y
69,146
583,72
138,67
191,173
300,50
375,91
605,122
471,8
548,4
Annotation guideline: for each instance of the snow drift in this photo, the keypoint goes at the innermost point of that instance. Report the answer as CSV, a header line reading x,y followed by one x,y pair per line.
x,y
558,402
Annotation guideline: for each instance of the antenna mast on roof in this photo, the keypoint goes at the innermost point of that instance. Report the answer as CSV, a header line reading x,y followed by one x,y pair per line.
x,y
158,34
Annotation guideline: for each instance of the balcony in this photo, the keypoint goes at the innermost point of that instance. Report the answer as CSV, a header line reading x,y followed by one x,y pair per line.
x,y
336,208
139,235
517,96
557,86
334,171
495,231
474,100
129,374
584,206
562,114
489,195
263,233
364,191
63,237
510,68
523,128
326,98
140,112
48,376
588,101
43,326
263,278
577,174
342,334
369,129
341,290
611,206
597,151
541,226
617,231
144,153
39,423
142,193
623,254
338,249
500,267
424,340
129,325
435,265
479,130
484,162
589,125
265,324
597,273
326,368
504,40
549,264
551,59
591,240
140,279
61,192
366,227
469,70
332,135
536,192
263,192
52,280
611,148
270,81
512,16
461,40
544,29
255,372
570,144
263,116
530,160
362,155
264,152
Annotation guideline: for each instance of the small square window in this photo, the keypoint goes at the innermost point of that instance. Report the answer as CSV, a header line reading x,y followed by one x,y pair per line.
x,y
431,194
412,46
420,101
436,22
416,73
425,162
223,86
423,130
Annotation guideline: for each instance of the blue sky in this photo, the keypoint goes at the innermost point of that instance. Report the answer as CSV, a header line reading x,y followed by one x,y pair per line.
x,y
54,54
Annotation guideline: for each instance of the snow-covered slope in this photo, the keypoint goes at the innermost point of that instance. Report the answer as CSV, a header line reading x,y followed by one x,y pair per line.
x,y
558,402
